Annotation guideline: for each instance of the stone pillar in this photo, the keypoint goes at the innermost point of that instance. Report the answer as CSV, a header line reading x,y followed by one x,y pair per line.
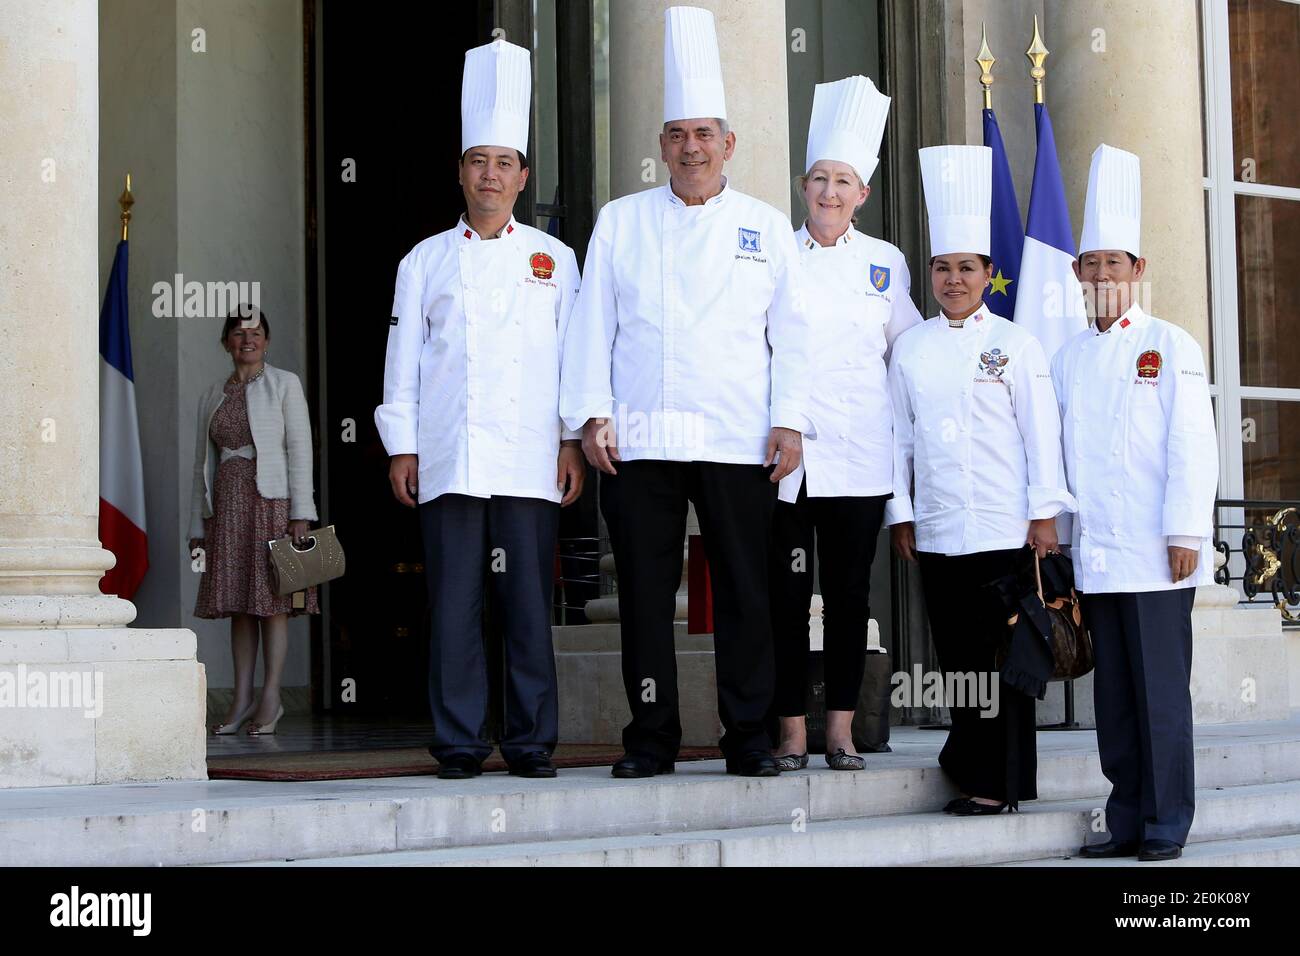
x,y
1124,72
751,38
83,699
50,558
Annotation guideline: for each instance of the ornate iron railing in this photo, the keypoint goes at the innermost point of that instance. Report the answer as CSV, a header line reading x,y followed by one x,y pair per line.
x,y
1265,567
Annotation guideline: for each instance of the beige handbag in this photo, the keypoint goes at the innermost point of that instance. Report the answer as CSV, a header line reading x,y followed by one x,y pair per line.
x,y
294,570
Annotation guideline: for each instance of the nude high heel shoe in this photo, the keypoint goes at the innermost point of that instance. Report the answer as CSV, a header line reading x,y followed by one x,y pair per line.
x,y
261,730
225,730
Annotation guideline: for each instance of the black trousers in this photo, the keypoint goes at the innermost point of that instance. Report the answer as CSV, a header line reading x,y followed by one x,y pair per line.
x,y
507,545
1142,693
986,756
645,507
847,530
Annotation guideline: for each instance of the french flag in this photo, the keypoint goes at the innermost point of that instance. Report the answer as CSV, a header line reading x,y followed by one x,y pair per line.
x,y
121,469
1050,300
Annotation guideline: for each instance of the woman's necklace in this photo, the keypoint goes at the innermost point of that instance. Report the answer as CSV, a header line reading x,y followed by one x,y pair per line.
x,y
234,377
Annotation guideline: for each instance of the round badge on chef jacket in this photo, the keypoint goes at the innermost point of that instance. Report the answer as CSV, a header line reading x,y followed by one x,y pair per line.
x,y
543,265
1148,364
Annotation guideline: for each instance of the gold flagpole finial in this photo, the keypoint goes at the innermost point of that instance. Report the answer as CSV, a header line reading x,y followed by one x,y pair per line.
x,y
126,201
1037,53
986,60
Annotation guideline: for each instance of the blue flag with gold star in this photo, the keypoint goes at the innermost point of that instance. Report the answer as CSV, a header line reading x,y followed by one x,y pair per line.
x,y
1006,232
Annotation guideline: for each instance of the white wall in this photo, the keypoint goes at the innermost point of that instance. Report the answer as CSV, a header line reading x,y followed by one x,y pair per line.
x,y
215,143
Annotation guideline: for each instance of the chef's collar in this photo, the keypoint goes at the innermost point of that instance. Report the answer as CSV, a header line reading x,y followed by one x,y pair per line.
x,y
806,241
677,200
1132,318
977,320
467,233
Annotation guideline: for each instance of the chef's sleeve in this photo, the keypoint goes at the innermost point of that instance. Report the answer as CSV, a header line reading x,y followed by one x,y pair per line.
x,y
569,285
789,334
1193,453
1039,421
904,314
898,509
586,366
398,418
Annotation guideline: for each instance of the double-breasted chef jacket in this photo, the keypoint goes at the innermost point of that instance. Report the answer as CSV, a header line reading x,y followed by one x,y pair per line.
x,y
976,424
1141,455
858,301
472,372
689,332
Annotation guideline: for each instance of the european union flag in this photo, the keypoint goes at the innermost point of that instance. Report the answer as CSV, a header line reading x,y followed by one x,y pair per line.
x,y
1006,232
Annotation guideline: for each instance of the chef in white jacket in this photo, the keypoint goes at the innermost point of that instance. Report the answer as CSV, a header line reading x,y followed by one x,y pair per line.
x,y
857,296
471,419
976,430
1142,460
685,367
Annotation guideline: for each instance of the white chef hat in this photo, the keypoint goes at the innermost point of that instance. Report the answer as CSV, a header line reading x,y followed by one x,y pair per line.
x,y
692,67
959,197
848,121
494,97
1112,214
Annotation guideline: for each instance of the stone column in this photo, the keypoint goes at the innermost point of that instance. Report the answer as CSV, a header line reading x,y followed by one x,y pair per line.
x,y
82,698
50,558
1124,72
751,39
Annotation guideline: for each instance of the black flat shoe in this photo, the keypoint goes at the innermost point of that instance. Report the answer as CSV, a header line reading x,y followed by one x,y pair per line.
x,y
536,764
1109,850
640,765
969,808
788,762
458,767
843,760
1153,850
756,763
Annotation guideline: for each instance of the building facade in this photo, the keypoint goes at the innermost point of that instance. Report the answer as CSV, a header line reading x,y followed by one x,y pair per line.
x,y
301,147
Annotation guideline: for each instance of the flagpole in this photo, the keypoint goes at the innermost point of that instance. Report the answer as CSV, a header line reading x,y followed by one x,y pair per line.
x,y
126,201
1037,53
985,59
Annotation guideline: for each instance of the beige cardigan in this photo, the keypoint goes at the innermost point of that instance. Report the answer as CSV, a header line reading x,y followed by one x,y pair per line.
x,y
277,416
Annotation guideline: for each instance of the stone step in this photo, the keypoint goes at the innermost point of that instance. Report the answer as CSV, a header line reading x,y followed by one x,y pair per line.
x,y
1249,816
1257,851
229,821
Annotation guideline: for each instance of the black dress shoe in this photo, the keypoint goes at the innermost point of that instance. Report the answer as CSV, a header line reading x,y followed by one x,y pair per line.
x,y
969,808
640,765
458,767
1109,849
1159,850
953,804
756,763
535,764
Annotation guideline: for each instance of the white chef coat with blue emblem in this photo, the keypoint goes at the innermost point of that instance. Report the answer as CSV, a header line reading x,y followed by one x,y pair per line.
x,y
857,298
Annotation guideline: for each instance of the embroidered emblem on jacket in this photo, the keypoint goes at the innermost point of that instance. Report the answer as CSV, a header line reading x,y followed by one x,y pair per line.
x,y
879,277
993,362
543,265
1148,365
749,240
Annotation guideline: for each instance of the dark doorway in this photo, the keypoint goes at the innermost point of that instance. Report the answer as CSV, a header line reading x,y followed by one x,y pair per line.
x,y
384,104
389,102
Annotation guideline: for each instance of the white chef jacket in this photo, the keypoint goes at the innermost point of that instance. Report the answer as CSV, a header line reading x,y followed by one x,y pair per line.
x,y
1141,455
857,296
472,373
689,331
976,425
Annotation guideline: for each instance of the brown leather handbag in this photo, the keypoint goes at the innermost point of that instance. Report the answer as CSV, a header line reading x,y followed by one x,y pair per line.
x,y
1071,645
295,570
